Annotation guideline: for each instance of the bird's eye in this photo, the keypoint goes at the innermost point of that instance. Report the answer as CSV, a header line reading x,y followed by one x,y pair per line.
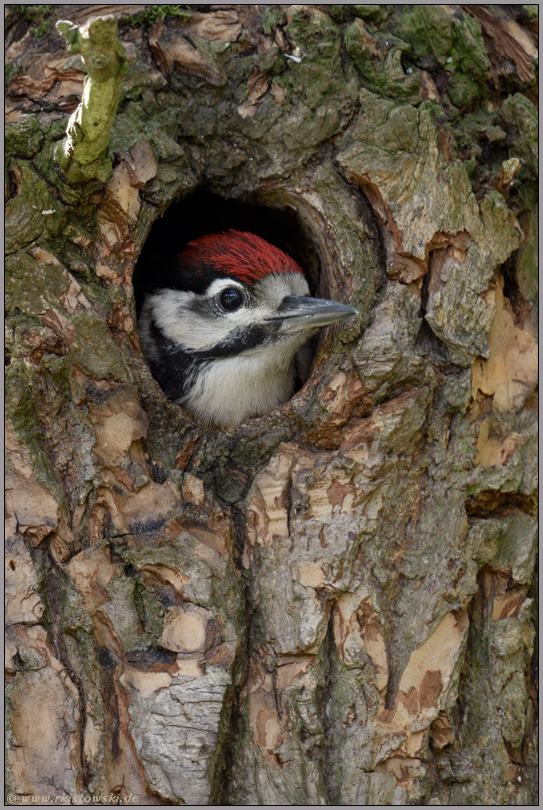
x,y
231,299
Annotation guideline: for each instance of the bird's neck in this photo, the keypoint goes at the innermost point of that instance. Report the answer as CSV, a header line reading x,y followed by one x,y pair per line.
x,y
230,390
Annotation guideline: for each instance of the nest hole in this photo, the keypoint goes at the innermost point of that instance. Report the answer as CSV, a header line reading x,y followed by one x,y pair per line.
x,y
206,213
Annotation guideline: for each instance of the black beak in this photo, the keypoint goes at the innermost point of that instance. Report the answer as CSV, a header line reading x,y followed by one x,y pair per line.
x,y
302,312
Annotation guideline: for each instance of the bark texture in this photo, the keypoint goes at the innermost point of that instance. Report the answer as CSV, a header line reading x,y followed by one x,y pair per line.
x,y
84,153
333,604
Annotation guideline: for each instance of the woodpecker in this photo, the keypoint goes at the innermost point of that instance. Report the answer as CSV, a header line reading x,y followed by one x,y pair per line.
x,y
226,338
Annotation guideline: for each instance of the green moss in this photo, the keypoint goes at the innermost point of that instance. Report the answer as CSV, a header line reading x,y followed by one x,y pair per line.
x,y
33,211
520,118
23,139
44,164
20,404
273,62
272,16
38,15
10,71
528,260
463,91
34,287
126,130
319,73
157,12
455,43
372,12
339,12
22,387
382,70
485,139
94,350
33,12
42,28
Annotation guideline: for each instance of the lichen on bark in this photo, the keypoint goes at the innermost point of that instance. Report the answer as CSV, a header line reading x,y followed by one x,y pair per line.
x,y
84,153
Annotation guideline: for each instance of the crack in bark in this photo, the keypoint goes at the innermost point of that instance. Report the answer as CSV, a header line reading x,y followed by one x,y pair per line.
x,y
55,632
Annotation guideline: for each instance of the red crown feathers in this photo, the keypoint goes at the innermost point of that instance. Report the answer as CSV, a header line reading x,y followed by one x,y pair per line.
x,y
243,255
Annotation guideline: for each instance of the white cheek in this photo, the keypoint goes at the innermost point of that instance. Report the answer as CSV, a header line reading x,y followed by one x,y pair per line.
x,y
234,389
170,311
202,332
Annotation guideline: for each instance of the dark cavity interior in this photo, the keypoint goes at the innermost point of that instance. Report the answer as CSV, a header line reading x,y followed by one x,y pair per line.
x,y
205,213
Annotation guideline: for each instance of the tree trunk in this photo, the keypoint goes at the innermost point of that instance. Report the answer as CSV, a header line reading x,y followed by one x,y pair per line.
x,y
332,604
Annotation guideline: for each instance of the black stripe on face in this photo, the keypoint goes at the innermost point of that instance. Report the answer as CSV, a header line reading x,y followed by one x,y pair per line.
x,y
240,340
177,367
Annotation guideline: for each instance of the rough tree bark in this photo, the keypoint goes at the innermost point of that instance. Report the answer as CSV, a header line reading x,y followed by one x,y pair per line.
x,y
331,604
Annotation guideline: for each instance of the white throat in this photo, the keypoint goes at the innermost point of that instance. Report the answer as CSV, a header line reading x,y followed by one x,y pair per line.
x,y
231,390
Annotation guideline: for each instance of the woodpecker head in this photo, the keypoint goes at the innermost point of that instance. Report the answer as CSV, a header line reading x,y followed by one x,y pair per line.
x,y
226,338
